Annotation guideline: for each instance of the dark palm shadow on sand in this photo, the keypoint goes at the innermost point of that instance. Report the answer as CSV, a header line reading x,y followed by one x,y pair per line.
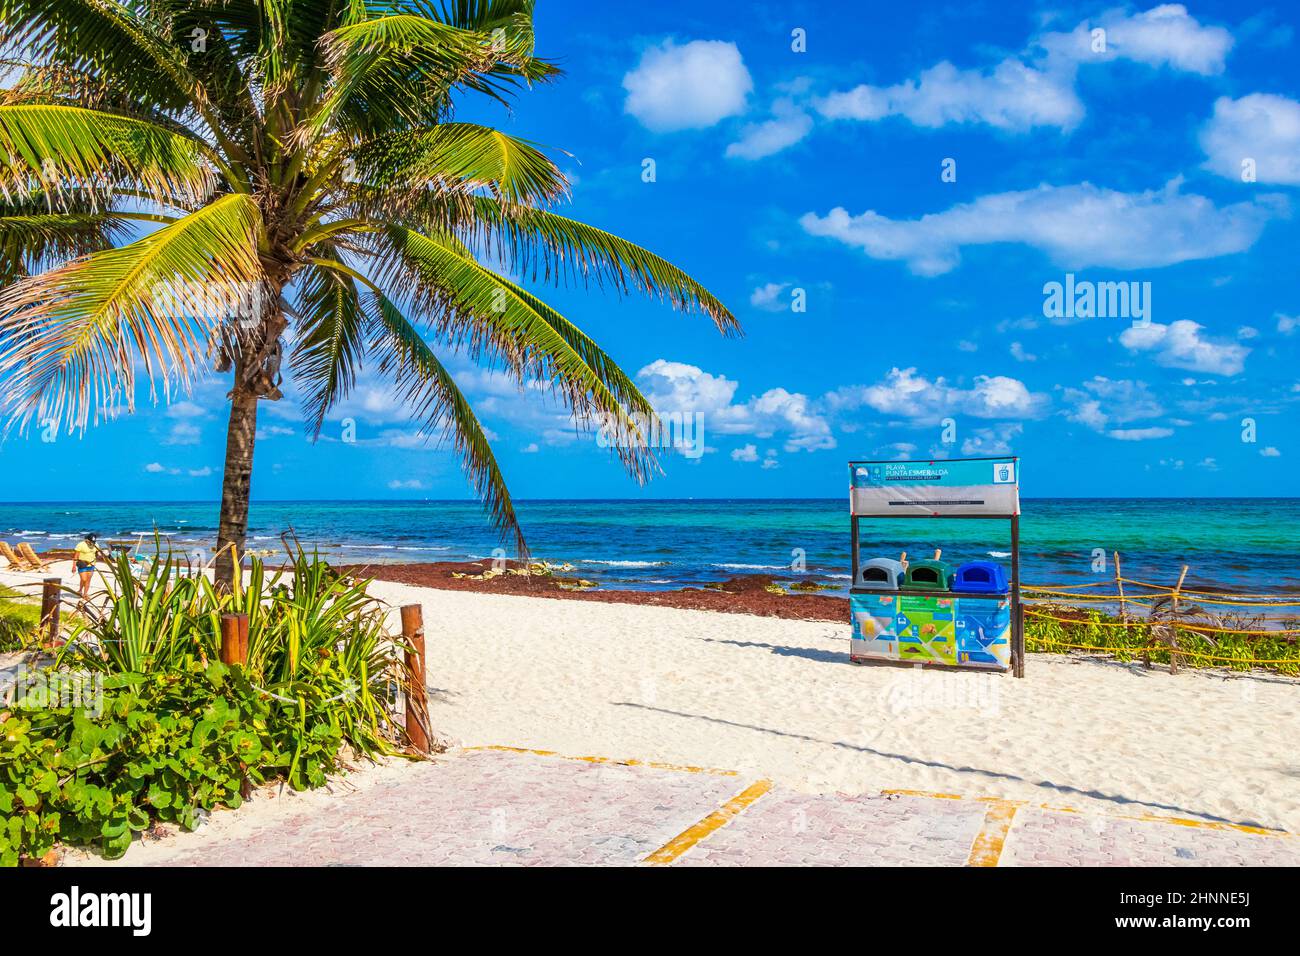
x,y
781,650
976,771
443,695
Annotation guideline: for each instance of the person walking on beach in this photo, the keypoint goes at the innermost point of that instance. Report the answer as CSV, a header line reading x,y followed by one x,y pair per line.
x,y
83,560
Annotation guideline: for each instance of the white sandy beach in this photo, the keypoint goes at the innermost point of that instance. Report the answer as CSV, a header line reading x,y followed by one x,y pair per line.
x,y
779,698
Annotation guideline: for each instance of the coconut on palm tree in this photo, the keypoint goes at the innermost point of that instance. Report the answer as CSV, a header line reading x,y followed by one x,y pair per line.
x,y
296,162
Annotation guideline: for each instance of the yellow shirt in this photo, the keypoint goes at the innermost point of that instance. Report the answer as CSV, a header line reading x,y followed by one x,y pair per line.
x,y
85,553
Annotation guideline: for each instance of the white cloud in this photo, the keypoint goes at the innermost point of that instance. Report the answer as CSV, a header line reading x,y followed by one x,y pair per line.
x,y
1286,324
1180,345
560,436
1088,411
903,450
1259,127
967,346
1141,434
747,453
1020,355
687,87
1038,87
809,431
185,410
1010,96
155,467
410,484
1079,225
530,449
203,472
1101,402
1164,36
1270,452
677,387
992,441
768,297
905,394
183,433
787,126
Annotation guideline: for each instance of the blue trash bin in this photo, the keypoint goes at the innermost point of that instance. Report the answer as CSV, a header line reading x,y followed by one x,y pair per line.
x,y
881,574
980,577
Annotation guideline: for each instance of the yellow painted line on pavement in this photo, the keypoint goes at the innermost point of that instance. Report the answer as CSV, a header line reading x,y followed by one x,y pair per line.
x,y
926,794
1138,817
719,818
923,793
680,768
987,848
1179,821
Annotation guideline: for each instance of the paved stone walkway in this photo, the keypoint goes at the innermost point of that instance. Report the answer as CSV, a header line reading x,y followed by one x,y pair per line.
x,y
496,806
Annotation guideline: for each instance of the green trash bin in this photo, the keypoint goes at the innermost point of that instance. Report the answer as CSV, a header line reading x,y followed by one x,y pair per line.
x,y
928,575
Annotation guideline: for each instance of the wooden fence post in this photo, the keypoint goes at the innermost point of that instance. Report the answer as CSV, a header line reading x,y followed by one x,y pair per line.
x,y
417,695
234,638
234,650
1173,635
49,626
1123,610
1119,584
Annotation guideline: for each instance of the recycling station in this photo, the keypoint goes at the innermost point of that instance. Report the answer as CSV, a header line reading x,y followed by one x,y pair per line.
x,y
931,612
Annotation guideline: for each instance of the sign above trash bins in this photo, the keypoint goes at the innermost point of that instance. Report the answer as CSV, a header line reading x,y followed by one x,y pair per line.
x,y
956,486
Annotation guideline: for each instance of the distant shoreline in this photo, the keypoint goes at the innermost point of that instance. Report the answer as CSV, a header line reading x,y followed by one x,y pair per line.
x,y
742,594
1245,545
639,501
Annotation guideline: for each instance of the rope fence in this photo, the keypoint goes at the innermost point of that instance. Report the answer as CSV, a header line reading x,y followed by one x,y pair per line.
x,y
1177,626
1217,598
1147,620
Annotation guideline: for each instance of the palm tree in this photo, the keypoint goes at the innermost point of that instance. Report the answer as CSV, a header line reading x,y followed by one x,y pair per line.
x,y
299,157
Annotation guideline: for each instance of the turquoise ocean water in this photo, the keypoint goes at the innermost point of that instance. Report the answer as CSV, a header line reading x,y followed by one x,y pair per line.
x,y
1246,544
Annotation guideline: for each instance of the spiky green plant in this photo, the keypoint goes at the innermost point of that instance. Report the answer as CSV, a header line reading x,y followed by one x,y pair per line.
x,y
19,620
304,151
318,645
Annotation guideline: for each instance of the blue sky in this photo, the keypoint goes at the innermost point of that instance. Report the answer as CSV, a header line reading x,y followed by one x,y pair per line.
x,y
1163,151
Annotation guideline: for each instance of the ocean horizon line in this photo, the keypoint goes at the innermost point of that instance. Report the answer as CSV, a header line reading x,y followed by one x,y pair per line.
x,y
638,501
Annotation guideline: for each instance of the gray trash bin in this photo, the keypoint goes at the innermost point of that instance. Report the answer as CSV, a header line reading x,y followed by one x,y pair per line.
x,y
880,574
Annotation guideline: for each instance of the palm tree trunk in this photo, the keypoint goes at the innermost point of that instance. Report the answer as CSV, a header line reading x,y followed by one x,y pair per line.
x,y
257,376
232,529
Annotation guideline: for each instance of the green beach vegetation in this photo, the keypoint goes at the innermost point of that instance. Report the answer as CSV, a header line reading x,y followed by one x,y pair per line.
x,y
312,205
18,620
138,720
1237,642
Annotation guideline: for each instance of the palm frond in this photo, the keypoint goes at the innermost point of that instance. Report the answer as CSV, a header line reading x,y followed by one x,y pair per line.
x,y
33,238
48,148
122,49
538,242
204,33
400,71
482,16
70,338
399,168
428,390
330,342
54,83
470,305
